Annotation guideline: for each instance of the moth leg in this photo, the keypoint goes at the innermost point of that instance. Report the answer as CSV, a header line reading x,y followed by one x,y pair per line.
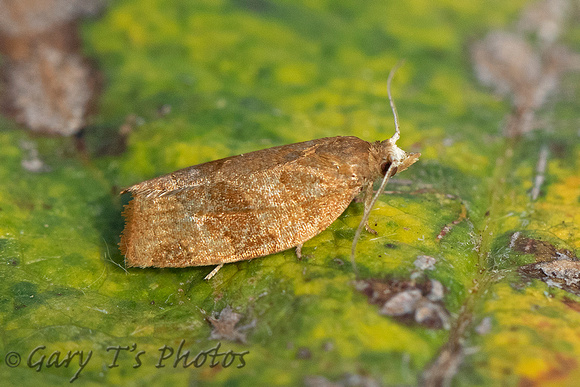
x,y
213,272
368,200
299,251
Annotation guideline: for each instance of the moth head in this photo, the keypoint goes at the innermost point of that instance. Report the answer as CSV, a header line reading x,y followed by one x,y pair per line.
x,y
395,158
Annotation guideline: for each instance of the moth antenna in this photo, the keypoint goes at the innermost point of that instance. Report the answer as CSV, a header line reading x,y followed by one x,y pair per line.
x,y
392,140
366,215
397,134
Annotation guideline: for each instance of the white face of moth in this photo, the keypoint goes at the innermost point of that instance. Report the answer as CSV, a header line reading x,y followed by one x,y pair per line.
x,y
396,154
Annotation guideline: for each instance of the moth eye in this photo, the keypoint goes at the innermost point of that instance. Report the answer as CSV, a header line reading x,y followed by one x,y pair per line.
x,y
385,166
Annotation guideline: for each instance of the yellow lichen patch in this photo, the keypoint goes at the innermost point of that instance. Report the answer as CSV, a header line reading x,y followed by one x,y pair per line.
x,y
367,331
453,88
184,154
125,20
378,67
506,223
141,156
58,190
9,148
467,7
329,118
565,192
111,288
280,378
526,174
560,211
213,43
131,22
411,226
530,366
143,331
307,286
318,97
461,156
202,48
302,287
415,136
435,36
296,73
330,328
364,124
530,337
560,220
380,333
350,85
431,148
351,56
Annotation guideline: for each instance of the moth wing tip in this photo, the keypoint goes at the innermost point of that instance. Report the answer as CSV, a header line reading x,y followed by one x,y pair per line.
x,y
130,189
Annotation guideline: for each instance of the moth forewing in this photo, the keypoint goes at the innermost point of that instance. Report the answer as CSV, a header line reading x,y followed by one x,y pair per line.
x,y
237,215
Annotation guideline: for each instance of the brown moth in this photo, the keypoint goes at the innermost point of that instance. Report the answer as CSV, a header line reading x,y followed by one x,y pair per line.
x,y
255,204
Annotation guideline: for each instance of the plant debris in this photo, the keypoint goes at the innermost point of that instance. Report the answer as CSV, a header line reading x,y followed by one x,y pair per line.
x,y
563,274
509,63
224,327
425,262
557,267
409,301
31,162
46,83
543,251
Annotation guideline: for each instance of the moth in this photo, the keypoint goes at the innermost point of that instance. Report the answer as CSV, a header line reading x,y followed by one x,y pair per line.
x,y
258,203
